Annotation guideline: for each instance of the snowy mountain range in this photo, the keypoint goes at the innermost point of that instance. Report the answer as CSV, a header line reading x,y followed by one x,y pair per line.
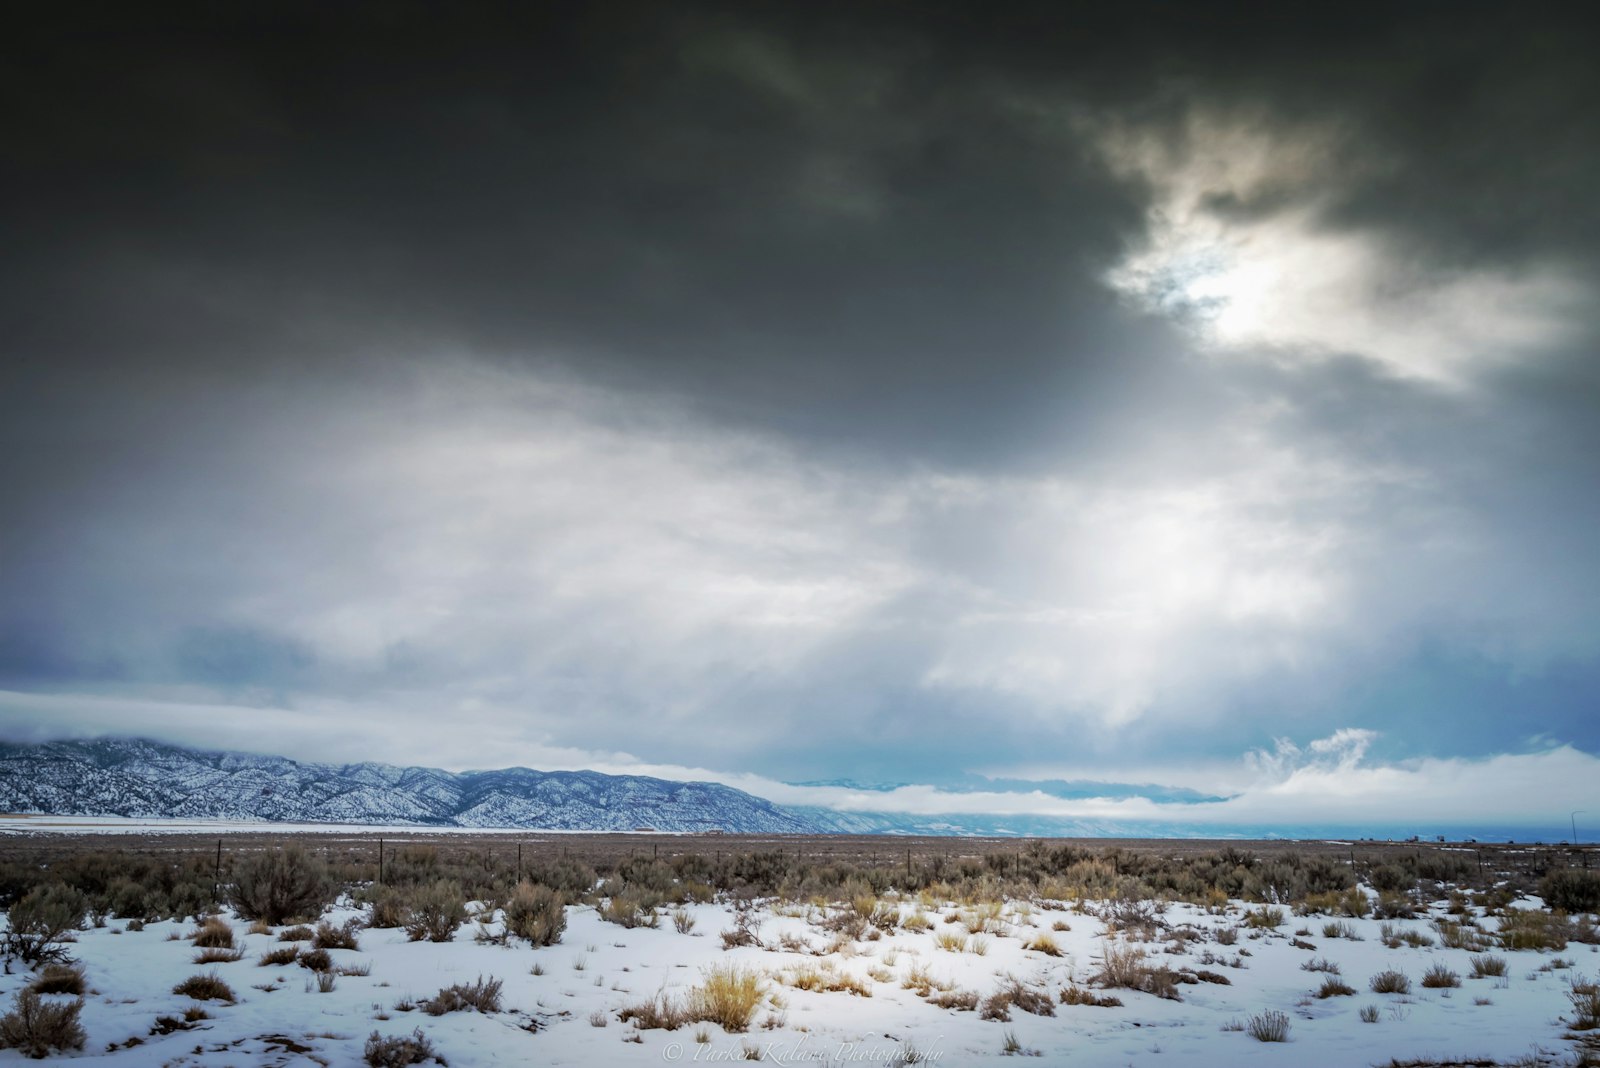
x,y
139,778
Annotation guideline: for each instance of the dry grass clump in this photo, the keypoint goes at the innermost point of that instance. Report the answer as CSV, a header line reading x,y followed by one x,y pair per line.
x,y
1533,929
1453,935
1485,966
920,981
917,922
400,1051
727,995
482,995
1585,998
1013,993
631,910
956,1000
218,956
983,919
662,1012
1122,966
1334,987
214,933
1390,981
1043,943
1394,906
1269,1026
1267,917
316,960
207,987
58,979
282,955
1393,937
166,1025
1073,994
826,978
330,937
955,943
36,1027
1348,902
1340,929
298,933
1439,976
1125,967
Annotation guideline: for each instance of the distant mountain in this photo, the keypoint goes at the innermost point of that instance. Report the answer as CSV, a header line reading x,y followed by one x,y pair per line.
x,y
138,778
152,780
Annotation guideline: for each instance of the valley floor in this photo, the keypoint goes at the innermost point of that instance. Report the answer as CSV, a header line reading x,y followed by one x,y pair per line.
x,y
561,1003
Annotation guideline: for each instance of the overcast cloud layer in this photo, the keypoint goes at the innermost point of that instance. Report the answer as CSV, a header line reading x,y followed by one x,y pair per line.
x,y
974,400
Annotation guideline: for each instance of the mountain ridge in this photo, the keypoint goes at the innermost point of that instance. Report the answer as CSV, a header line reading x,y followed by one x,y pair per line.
x,y
141,778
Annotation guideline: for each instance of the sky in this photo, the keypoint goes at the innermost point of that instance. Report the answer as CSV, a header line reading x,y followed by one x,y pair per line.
x,y
1139,411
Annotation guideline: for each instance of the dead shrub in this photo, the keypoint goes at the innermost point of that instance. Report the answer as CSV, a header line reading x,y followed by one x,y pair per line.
x,y
1439,976
207,987
59,979
218,956
400,1051
1073,994
483,995
1390,981
342,937
35,1027
958,1000
661,1012
317,960
214,933
1013,993
1334,987
282,955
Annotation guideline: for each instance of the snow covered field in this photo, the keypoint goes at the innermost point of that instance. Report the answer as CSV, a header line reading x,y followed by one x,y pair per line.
x,y
561,1003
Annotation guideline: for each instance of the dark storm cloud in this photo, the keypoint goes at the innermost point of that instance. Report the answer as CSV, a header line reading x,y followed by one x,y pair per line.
x,y
754,201
648,364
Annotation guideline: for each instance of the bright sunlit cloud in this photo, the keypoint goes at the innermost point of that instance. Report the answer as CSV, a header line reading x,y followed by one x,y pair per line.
x,y
1243,248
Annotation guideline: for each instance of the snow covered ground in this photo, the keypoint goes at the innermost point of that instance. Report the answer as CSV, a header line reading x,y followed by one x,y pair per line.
x,y
568,1013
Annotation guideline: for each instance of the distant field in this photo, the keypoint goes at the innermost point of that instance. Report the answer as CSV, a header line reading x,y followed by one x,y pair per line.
x,y
501,848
